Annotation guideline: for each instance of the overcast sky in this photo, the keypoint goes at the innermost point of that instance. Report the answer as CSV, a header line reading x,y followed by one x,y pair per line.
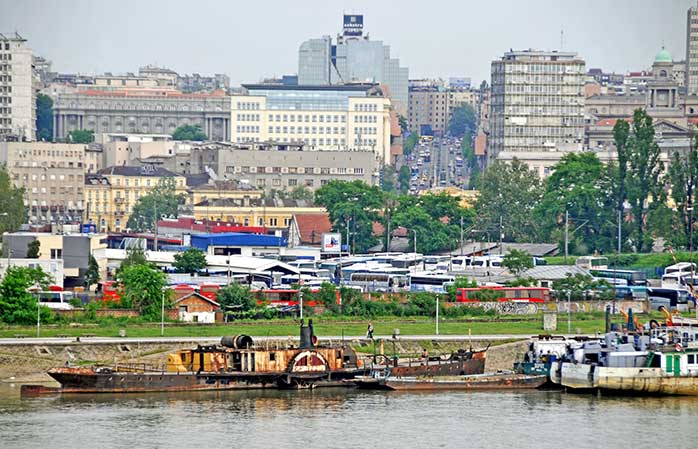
x,y
250,40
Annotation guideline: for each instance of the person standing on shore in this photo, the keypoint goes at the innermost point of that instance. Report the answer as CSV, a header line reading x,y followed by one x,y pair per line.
x,y
369,331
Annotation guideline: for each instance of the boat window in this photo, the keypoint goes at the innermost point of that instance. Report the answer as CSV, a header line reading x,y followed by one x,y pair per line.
x,y
272,356
339,355
691,358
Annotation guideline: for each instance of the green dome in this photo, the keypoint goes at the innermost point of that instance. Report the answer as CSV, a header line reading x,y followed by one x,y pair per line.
x,y
663,56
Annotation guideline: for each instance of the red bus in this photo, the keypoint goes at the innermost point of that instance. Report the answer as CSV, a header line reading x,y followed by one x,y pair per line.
x,y
504,294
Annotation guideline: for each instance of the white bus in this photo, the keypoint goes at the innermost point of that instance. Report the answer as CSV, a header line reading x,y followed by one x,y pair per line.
x,y
59,300
592,262
430,282
380,282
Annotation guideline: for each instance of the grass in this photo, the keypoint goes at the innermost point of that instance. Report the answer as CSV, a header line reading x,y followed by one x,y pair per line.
x,y
631,260
520,325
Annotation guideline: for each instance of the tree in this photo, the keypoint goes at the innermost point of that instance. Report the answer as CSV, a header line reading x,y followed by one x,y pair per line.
x,y
517,261
17,304
510,193
44,117
682,178
81,136
463,121
144,288
12,210
33,249
404,126
404,178
582,186
162,200
236,296
436,218
92,273
190,261
578,286
189,132
410,142
301,193
388,179
621,132
644,191
354,204
134,256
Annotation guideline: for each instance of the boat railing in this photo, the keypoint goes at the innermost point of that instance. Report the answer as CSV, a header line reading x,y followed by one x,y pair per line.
x,y
132,368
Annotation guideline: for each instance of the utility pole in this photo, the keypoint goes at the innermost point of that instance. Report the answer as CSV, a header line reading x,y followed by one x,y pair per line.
x,y
162,316
501,234
461,235
155,243
567,234
437,314
620,219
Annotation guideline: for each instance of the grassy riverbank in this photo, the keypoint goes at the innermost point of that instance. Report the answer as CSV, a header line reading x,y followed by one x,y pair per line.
x,y
524,325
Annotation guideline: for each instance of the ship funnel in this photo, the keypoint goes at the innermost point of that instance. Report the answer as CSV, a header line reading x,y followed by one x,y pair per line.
x,y
308,338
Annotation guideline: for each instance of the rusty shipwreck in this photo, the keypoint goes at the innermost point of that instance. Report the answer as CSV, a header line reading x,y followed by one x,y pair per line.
x,y
236,363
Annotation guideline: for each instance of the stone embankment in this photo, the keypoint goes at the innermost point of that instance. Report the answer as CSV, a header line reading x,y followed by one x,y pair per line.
x,y
29,361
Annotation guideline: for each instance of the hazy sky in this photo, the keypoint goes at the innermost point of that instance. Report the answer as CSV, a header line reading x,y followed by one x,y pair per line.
x,y
249,40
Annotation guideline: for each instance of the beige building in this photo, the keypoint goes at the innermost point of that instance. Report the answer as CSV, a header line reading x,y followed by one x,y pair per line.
x,y
331,118
52,175
429,108
111,194
269,212
17,90
537,103
283,167
691,68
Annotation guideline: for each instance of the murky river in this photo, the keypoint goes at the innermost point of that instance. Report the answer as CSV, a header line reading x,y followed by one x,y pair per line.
x,y
346,419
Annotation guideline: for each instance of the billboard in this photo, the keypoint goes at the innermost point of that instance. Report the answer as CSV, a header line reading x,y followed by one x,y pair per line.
x,y
353,24
459,82
331,243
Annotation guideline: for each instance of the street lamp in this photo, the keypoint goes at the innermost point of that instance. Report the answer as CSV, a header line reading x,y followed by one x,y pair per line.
x,y
162,316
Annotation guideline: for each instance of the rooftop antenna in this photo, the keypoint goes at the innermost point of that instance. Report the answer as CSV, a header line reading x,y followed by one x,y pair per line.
x,y
562,39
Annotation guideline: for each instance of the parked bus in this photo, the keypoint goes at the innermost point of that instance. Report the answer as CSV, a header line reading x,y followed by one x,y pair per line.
x,y
631,277
506,294
592,262
57,300
681,268
380,282
430,282
631,292
671,298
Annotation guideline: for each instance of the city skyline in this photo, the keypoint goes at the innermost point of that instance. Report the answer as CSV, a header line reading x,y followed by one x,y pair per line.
x,y
618,37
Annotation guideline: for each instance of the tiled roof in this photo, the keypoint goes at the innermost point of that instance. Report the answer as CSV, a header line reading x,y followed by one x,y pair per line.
x,y
312,226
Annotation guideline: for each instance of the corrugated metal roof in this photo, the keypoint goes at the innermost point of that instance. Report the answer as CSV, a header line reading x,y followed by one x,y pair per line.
x,y
203,241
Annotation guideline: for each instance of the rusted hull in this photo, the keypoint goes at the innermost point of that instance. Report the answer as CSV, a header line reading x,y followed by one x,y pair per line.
x,y
482,382
82,380
448,368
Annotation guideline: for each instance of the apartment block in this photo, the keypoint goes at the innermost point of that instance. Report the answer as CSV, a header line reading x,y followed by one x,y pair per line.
x,y
284,167
537,103
17,90
52,175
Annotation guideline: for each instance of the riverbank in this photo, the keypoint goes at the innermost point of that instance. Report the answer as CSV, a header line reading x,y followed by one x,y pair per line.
x,y
522,324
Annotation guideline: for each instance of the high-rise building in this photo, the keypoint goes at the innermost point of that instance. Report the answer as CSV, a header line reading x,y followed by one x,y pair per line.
x,y
692,51
353,58
537,103
17,90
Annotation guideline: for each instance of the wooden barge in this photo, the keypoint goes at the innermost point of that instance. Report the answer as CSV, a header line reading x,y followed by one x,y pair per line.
x,y
234,364
496,381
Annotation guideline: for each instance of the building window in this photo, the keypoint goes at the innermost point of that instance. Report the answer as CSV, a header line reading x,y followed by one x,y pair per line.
x,y
56,253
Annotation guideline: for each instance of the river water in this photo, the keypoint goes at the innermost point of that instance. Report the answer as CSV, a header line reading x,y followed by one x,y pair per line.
x,y
339,418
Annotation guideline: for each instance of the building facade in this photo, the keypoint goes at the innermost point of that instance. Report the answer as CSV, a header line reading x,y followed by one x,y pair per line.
x,y
110,195
429,110
17,90
691,67
353,58
268,212
537,103
52,175
331,118
144,111
284,167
